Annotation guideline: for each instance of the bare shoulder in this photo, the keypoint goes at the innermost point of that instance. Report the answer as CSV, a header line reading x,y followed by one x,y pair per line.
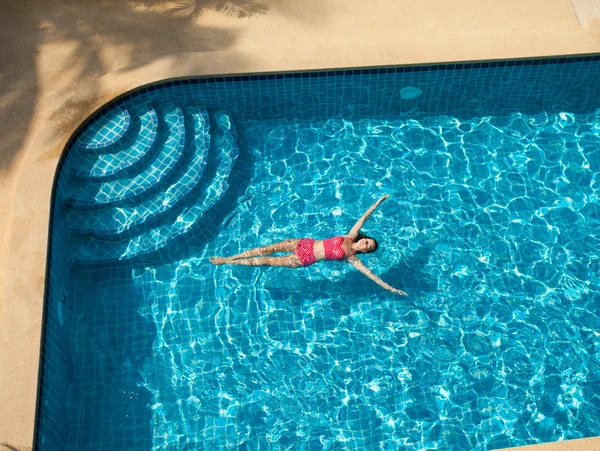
x,y
354,260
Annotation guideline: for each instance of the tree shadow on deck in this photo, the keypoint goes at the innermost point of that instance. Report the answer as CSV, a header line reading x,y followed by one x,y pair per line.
x,y
84,40
195,8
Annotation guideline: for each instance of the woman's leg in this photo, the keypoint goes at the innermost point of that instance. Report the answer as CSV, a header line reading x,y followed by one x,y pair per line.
x,y
289,261
282,246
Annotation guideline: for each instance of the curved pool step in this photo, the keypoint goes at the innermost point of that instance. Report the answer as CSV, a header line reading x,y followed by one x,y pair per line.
x,y
99,166
90,194
105,132
91,251
107,222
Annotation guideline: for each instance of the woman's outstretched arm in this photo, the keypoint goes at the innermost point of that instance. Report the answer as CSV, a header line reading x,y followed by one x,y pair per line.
x,y
353,233
355,261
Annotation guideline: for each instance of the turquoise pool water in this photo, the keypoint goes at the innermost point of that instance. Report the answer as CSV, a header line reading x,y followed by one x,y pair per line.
x,y
492,228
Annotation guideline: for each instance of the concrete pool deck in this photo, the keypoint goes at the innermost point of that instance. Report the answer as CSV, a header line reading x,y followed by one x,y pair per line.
x,y
61,60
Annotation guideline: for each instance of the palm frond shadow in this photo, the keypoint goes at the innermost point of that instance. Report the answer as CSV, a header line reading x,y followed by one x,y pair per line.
x,y
195,8
90,29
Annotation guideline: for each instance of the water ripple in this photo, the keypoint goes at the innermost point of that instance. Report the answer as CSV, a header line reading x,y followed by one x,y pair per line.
x,y
491,228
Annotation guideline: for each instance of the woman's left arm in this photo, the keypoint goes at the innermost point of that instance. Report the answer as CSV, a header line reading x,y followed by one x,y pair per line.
x,y
355,261
353,233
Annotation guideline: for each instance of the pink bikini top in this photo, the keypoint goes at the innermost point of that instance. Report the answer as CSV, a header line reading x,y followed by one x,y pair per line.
x,y
333,248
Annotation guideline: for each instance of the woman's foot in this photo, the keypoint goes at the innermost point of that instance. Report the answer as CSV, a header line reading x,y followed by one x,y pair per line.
x,y
218,260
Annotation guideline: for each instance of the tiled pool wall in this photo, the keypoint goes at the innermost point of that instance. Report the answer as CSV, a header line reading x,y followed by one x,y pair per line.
x,y
56,370
460,90
475,88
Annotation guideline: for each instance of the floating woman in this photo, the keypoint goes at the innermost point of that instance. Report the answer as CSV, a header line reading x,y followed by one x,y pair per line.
x,y
306,251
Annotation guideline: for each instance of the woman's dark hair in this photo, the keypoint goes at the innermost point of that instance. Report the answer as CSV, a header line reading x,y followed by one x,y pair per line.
x,y
361,236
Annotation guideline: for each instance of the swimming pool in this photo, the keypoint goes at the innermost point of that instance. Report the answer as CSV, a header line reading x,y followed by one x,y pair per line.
x,y
492,228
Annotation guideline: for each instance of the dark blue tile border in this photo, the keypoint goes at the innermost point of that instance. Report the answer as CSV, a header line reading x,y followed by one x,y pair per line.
x,y
47,278
341,73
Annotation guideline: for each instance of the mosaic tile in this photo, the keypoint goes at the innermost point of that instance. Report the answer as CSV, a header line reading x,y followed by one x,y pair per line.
x,y
116,220
94,166
91,250
107,131
93,194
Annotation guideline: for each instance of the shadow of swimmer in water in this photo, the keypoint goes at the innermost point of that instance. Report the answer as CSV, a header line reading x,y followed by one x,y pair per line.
x,y
306,251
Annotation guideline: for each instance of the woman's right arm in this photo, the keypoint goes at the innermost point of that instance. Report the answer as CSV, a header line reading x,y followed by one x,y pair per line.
x,y
355,261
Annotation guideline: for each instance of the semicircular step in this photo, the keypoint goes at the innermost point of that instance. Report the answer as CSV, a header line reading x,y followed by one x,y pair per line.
x,y
90,194
116,220
88,250
105,131
97,166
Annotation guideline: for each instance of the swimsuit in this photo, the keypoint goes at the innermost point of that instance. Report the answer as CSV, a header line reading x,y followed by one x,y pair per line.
x,y
332,247
306,252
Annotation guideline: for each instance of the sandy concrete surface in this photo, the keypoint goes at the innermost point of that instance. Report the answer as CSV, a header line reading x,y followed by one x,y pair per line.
x,y
584,444
62,59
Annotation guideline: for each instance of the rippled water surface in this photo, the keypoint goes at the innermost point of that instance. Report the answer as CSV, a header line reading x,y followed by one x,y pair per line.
x,y
492,227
